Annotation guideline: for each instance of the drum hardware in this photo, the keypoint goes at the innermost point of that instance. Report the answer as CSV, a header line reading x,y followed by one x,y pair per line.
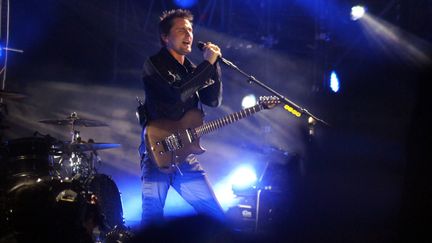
x,y
78,158
77,165
119,233
65,172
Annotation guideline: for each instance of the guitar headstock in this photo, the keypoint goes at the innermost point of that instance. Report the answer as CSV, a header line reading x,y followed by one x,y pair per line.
x,y
269,102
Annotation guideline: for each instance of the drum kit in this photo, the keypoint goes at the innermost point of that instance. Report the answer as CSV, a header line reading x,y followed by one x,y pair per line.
x,y
51,191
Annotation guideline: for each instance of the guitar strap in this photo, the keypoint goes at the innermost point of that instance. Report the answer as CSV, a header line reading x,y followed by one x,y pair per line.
x,y
141,112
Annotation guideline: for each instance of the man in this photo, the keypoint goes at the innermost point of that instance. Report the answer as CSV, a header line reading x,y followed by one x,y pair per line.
x,y
173,85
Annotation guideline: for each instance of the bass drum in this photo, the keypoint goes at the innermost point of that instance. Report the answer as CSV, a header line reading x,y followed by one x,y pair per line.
x,y
108,198
51,210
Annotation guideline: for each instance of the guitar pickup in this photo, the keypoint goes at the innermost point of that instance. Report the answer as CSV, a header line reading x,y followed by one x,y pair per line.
x,y
191,134
172,142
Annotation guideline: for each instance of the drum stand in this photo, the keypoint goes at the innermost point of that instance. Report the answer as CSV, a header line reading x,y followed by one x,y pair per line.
x,y
78,158
77,163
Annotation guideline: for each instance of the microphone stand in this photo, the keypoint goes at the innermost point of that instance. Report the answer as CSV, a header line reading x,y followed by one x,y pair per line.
x,y
251,79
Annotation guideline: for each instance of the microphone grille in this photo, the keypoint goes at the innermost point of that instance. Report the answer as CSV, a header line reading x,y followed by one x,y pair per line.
x,y
201,45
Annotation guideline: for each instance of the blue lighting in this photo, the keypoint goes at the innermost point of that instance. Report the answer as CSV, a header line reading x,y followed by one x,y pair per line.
x,y
130,190
132,209
357,12
249,101
224,193
185,3
334,82
243,177
176,206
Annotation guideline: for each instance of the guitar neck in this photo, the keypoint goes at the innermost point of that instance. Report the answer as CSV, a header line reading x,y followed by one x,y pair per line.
x,y
221,122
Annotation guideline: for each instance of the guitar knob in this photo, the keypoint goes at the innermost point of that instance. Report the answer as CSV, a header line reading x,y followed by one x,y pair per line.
x,y
161,153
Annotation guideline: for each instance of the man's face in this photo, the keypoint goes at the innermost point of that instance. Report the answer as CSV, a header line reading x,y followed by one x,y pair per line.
x,y
180,37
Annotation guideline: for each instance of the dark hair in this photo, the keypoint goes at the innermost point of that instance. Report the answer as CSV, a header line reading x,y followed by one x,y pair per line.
x,y
166,20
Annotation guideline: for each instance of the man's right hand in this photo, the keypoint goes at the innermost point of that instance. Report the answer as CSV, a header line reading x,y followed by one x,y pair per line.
x,y
211,52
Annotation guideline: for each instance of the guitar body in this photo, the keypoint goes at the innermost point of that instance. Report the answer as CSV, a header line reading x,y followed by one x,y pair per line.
x,y
157,131
170,142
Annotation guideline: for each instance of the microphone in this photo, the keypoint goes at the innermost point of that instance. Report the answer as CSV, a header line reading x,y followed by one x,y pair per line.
x,y
201,46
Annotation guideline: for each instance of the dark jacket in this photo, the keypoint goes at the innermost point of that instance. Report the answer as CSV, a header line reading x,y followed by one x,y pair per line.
x,y
171,88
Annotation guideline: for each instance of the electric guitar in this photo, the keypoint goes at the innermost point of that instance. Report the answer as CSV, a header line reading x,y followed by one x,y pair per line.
x,y
170,142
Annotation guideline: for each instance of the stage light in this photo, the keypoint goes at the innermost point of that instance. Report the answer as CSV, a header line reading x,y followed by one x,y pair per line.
x,y
224,193
243,177
334,82
357,12
395,41
248,101
185,3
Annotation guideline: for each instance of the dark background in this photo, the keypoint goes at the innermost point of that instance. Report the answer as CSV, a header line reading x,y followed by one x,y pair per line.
x,y
364,178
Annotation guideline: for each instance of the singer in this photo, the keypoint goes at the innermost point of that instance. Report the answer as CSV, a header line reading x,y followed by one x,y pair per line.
x,y
173,85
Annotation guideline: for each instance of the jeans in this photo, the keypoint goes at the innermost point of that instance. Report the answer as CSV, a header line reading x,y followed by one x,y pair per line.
x,y
190,183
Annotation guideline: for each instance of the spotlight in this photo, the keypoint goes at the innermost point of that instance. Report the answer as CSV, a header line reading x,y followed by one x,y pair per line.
x,y
243,177
357,12
249,101
334,81
185,3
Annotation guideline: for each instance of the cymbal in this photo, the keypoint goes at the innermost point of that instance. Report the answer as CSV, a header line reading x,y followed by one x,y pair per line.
x,y
83,147
12,95
74,120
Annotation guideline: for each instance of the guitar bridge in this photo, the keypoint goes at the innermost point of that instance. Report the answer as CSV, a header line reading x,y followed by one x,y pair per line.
x,y
173,142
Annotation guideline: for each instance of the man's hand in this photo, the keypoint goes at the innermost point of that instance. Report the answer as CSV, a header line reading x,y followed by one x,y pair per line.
x,y
211,52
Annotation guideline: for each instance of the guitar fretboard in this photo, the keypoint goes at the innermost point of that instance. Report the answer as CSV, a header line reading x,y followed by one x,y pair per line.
x,y
216,124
